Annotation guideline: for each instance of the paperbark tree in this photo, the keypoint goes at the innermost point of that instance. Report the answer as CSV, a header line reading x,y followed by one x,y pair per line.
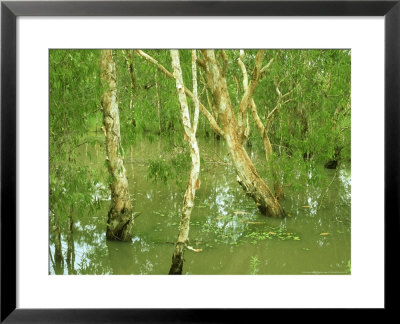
x,y
234,132
213,123
229,128
264,128
120,220
190,136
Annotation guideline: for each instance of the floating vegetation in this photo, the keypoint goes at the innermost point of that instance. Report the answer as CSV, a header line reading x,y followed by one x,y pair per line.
x,y
120,167
280,233
234,230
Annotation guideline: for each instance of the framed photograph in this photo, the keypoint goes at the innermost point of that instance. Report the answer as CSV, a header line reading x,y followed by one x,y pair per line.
x,y
189,160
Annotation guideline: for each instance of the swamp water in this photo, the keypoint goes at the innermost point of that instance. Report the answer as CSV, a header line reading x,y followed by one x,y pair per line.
x,y
226,229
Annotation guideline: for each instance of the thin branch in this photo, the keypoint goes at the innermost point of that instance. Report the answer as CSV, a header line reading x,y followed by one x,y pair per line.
x,y
271,113
205,112
85,142
195,96
276,83
237,87
278,104
257,119
265,68
248,90
280,98
289,100
288,93
244,71
344,128
154,61
209,102
201,63
248,94
128,62
326,191
202,92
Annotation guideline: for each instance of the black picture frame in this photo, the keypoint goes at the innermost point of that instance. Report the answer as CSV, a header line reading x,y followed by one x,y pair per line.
x,y
10,10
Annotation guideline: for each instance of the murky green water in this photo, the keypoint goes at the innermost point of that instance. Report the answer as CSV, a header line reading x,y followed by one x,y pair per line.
x,y
234,238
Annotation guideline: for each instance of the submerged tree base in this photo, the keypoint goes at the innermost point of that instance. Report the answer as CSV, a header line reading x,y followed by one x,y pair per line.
x,y
119,225
331,164
270,208
177,259
120,219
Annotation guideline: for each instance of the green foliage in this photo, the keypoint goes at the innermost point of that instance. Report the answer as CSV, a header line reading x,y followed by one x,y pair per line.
x,y
279,233
171,166
314,123
317,119
221,230
74,85
159,170
312,127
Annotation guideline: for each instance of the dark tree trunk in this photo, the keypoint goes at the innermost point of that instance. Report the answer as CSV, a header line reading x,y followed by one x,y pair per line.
x,y
70,246
333,163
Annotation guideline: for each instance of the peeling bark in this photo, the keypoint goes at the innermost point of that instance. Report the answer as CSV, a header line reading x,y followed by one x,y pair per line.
x,y
268,150
120,218
263,129
247,174
190,137
249,89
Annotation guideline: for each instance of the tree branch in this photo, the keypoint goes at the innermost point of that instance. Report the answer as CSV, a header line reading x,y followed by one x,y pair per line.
x,y
279,102
201,63
249,88
195,95
244,71
265,68
125,54
253,83
257,119
204,111
271,113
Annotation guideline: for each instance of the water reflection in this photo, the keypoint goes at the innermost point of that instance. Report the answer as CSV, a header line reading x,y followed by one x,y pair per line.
x,y
225,225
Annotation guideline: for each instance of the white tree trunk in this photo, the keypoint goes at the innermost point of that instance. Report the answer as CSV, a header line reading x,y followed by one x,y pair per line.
x,y
120,219
247,174
190,137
